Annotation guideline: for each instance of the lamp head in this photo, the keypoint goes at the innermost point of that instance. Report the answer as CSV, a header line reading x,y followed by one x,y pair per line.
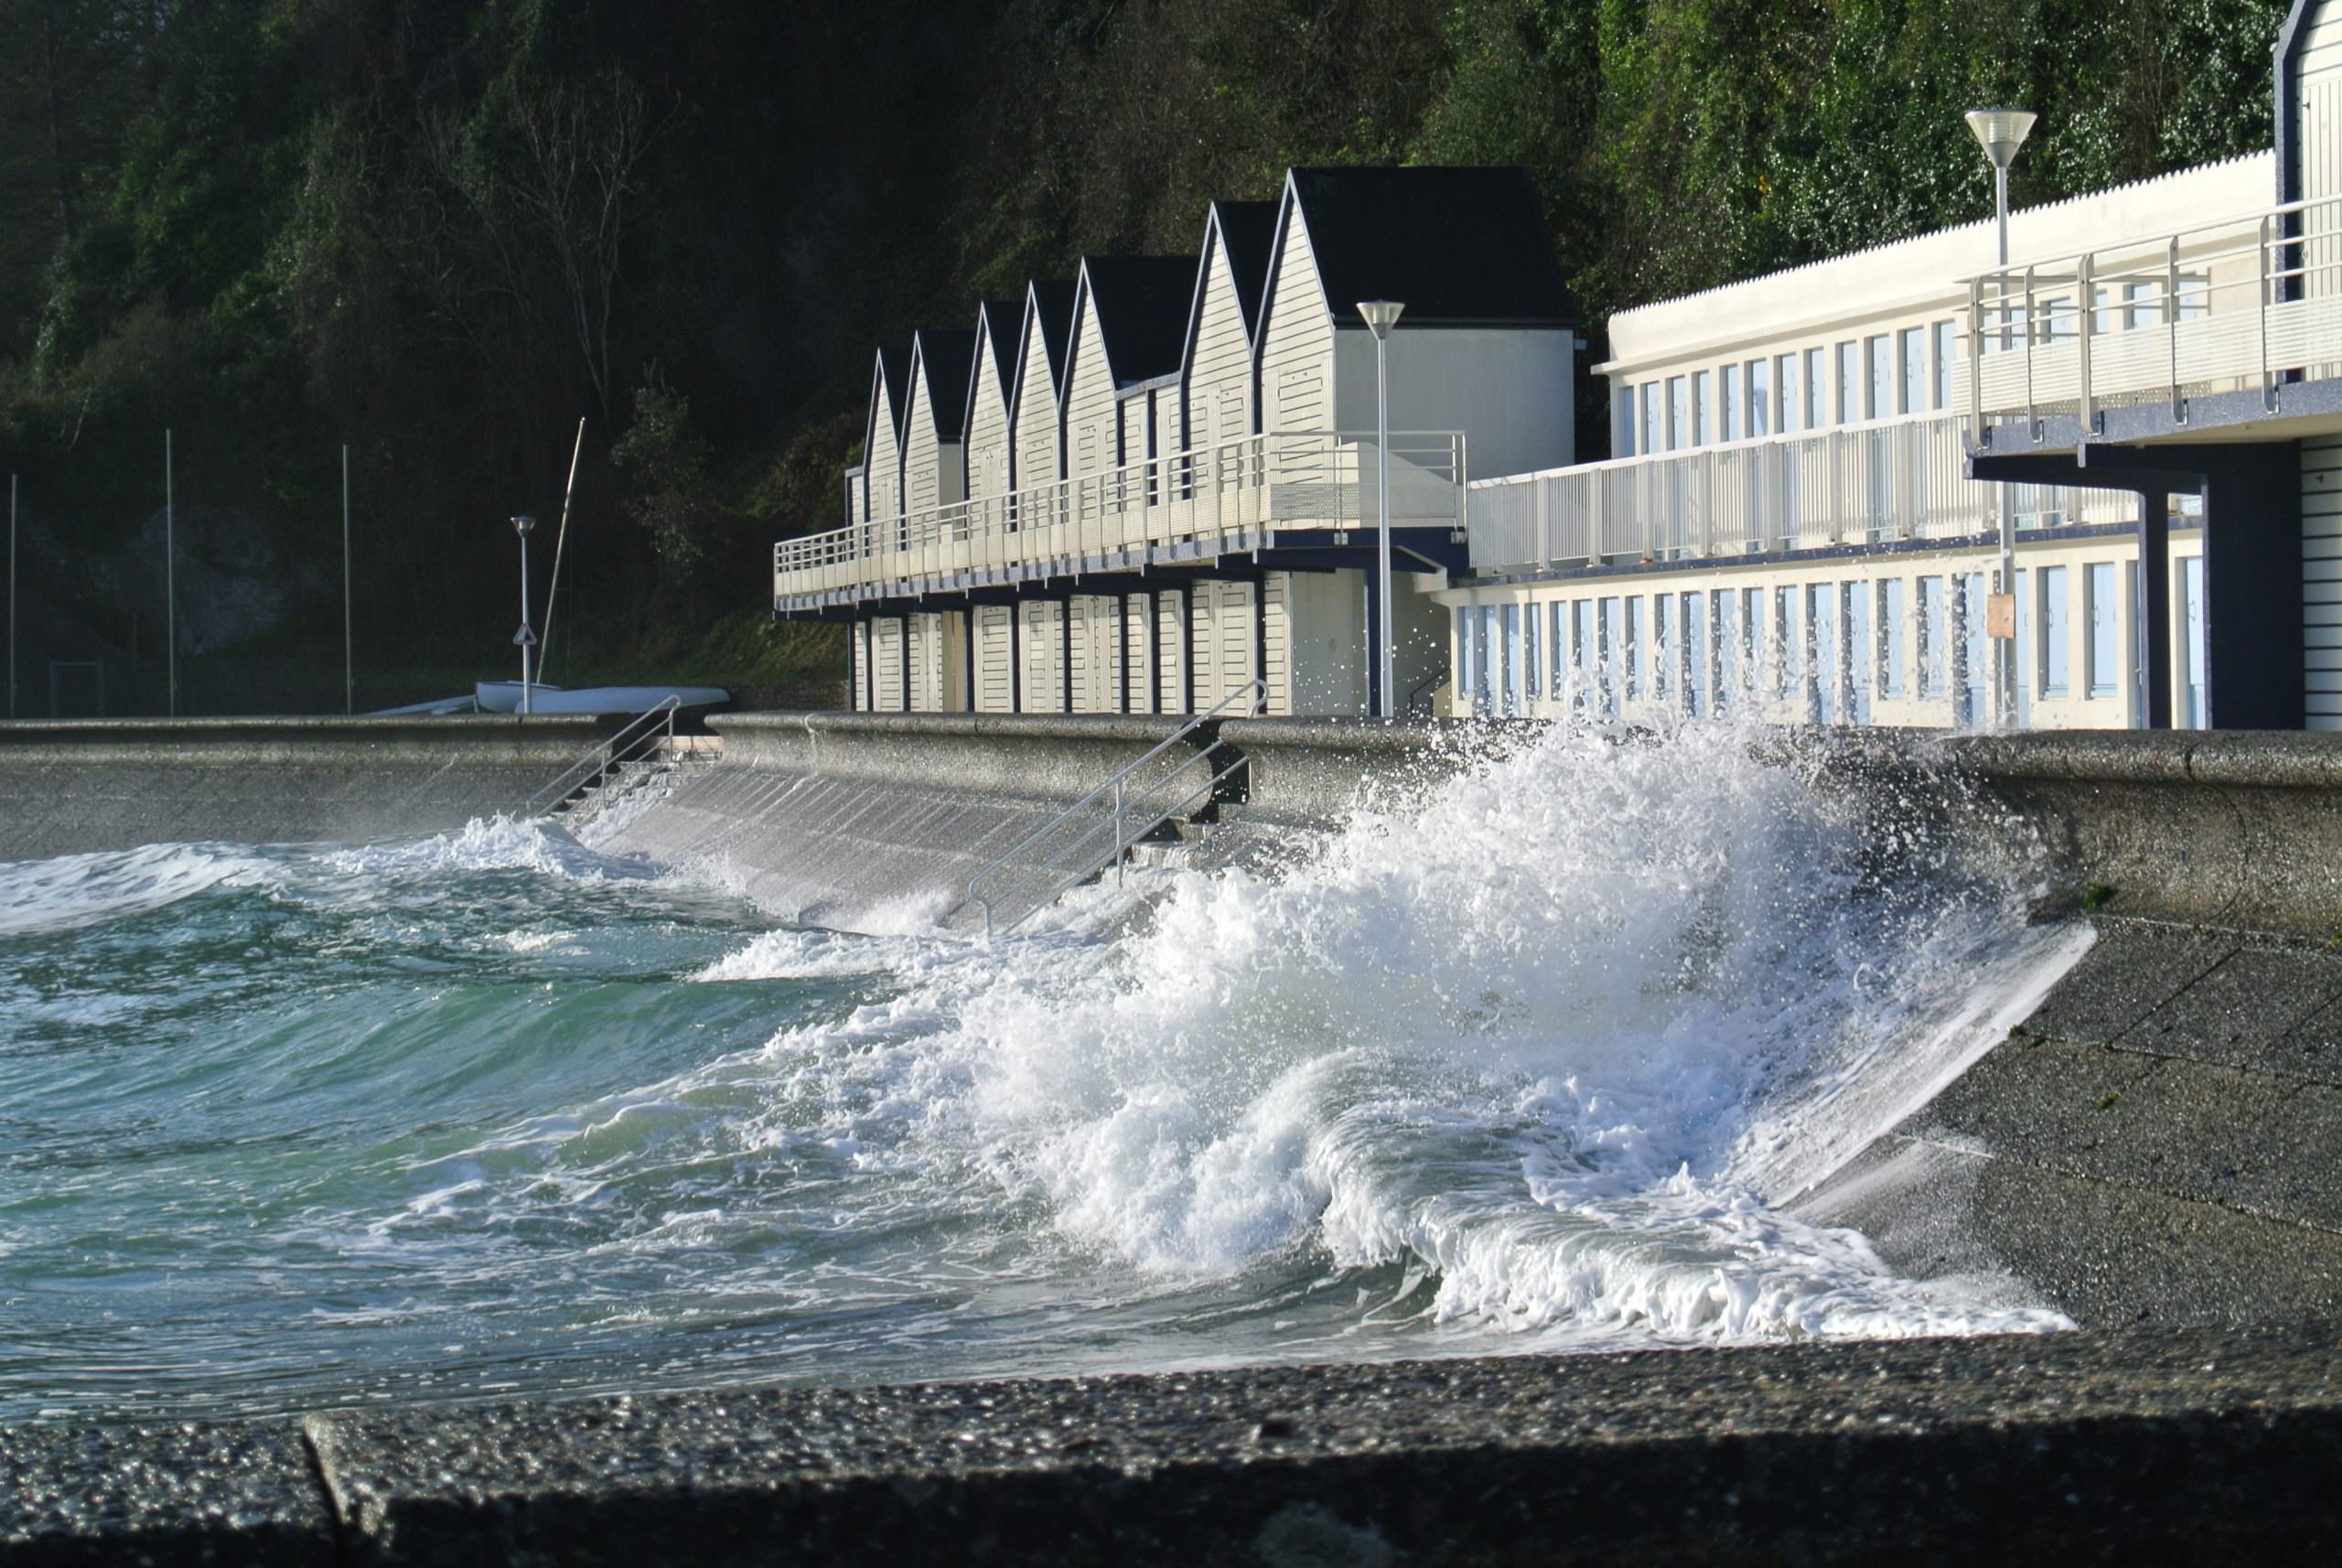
x,y
2001,132
523,523
1381,314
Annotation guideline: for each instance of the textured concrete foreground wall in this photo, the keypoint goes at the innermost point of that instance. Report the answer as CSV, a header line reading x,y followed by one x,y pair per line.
x,y
110,784
2188,1448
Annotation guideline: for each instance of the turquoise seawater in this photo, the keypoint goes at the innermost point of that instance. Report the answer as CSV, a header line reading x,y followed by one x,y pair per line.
x,y
494,1114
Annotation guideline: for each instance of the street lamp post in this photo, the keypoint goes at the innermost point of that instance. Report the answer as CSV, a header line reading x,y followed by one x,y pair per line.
x,y
1381,314
524,639
2001,132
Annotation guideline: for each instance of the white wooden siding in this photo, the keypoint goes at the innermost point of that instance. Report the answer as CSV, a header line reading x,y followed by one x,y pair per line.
x,y
922,457
1297,348
1218,387
1276,640
1170,634
887,661
1223,614
1138,636
1037,417
995,647
1090,408
987,424
860,675
2321,581
930,691
883,466
1097,656
1041,637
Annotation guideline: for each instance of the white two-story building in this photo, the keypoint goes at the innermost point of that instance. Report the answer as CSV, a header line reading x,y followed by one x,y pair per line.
x,y
1163,489
1164,486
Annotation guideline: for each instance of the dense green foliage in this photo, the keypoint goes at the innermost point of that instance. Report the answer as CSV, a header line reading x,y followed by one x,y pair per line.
x,y
443,230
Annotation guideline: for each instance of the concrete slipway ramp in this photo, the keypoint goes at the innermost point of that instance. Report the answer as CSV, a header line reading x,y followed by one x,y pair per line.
x,y
2152,1149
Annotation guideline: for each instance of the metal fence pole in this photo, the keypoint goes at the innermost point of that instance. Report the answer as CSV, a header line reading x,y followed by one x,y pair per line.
x,y
348,638
170,581
12,595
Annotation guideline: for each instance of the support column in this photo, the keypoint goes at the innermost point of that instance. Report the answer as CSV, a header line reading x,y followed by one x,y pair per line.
x,y
2155,589
869,633
1123,638
1261,632
906,662
1374,634
1065,644
1188,647
1017,656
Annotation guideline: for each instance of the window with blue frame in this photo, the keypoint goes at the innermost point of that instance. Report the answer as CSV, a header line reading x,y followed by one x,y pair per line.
x,y
1614,654
2056,647
1728,665
1663,662
1894,640
1821,650
2105,639
1976,651
1861,661
1638,647
1695,653
1935,636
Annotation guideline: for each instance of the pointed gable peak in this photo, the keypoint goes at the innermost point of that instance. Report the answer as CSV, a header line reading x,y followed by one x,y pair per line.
x,y
890,380
1246,233
941,357
1049,312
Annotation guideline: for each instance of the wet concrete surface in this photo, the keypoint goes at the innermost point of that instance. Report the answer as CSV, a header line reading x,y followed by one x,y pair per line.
x,y
2156,1143
2197,1445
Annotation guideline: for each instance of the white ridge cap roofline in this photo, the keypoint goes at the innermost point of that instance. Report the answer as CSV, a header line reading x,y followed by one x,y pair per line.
x,y
1889,278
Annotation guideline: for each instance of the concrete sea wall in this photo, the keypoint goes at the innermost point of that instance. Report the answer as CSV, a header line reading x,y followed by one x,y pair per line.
x,y
873,821
2151,1150
79,786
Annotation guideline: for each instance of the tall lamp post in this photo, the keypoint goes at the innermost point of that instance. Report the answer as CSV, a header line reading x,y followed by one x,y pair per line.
x,y
524,639
1381,314
2002,132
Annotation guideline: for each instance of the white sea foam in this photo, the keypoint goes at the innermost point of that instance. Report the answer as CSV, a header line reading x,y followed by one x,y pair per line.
x,y
494,843
1559,1036
72,891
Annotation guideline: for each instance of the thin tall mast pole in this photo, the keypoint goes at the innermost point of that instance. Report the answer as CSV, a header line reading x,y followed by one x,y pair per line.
x,y
12,595
553,589
170,580
348,638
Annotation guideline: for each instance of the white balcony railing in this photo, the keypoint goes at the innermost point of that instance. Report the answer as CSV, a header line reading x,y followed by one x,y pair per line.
x,y
1206,499
2237,304
1863,484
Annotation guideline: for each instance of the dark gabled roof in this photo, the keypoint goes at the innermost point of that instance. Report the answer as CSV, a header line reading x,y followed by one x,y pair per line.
x,y
894,374
1141,305
1048,310
1456,246
942,356
1248,233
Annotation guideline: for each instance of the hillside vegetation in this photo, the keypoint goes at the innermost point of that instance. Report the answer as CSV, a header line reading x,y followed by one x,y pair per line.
x,y
442,232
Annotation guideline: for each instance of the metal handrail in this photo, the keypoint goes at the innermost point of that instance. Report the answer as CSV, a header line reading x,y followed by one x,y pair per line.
x,y
1428,683
631,740
1252,692
1305,478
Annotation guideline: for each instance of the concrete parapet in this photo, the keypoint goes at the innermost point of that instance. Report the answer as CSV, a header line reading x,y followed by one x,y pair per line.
x,y
2173,1447
81,785
1036,757
2233,828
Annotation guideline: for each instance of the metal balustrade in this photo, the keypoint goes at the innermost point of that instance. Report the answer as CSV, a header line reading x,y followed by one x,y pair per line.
x,y
1863,484
2231,304
1204,499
